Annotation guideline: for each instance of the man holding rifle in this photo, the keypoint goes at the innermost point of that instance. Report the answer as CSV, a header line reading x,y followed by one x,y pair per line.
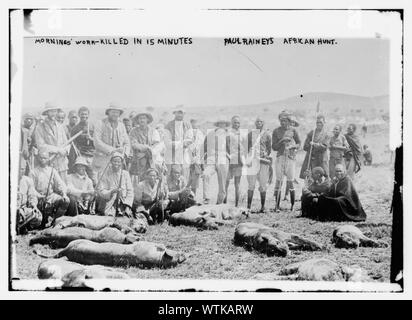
x,y
115,191
53,199
286,141
151,196
51,136
316,145
258,162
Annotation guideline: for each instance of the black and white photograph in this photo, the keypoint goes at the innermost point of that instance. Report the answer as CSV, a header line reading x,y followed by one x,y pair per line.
x,y
218,160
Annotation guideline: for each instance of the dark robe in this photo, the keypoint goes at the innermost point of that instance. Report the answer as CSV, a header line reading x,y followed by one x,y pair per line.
x,y
355,150
341,203
318,156
309,208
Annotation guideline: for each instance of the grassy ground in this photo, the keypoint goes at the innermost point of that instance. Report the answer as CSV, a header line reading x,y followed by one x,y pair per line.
x,y
212,255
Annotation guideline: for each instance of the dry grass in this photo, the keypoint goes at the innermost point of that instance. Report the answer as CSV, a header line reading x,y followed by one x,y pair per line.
x,y
212,255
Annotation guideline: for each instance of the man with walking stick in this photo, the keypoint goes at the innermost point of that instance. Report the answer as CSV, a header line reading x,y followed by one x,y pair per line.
x,y
316,145
286,141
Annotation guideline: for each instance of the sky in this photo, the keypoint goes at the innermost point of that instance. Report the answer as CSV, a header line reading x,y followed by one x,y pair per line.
x,y
204,73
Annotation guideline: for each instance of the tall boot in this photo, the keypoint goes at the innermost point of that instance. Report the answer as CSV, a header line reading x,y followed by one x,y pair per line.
x,y
286,192
249,198
277,200
262,201
292,199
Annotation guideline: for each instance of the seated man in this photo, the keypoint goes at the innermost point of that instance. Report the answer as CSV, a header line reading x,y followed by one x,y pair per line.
x,y
311,191
180,195
28,216
151,197
53,200
80,189
115,192
341,201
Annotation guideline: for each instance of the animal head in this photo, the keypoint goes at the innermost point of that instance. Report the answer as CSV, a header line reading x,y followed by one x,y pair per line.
x,y
345,241
131,238
76,279
355,273
140,224
172,258
273,246
244,212
204,222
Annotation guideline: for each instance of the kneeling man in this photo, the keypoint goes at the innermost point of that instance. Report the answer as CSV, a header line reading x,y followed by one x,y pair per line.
x,y
115,192
180,195
151,196
80,189
53,199
28,216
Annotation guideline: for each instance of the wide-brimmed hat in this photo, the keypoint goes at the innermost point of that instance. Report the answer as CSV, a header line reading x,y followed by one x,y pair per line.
x,y
117,154
49,106
114,106
151,170
227,123
43,152
28,115
179,108
148,116
81,161
319,170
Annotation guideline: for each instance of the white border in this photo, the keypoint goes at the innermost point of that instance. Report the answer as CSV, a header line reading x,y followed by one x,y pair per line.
x,y
183,18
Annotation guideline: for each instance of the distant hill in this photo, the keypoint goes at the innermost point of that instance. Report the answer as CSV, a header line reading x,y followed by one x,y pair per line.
x,y
329,103
337,107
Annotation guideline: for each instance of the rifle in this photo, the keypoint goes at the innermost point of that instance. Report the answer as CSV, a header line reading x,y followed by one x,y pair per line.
x,y
278,197
67,143
93,202
157,202
47,194
117,201
313,136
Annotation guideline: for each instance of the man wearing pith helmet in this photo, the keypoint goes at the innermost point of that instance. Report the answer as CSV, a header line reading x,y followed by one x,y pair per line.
x,y
79,189
50,135
258,162
110,136
286,142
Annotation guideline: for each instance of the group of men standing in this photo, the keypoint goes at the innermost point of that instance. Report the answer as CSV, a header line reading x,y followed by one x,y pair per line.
x,y
120,167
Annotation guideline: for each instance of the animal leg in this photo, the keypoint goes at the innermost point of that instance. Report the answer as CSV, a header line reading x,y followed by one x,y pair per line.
x,y
298,243
367,242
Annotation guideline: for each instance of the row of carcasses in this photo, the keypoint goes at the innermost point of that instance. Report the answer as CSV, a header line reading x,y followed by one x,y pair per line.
x,y
93,244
